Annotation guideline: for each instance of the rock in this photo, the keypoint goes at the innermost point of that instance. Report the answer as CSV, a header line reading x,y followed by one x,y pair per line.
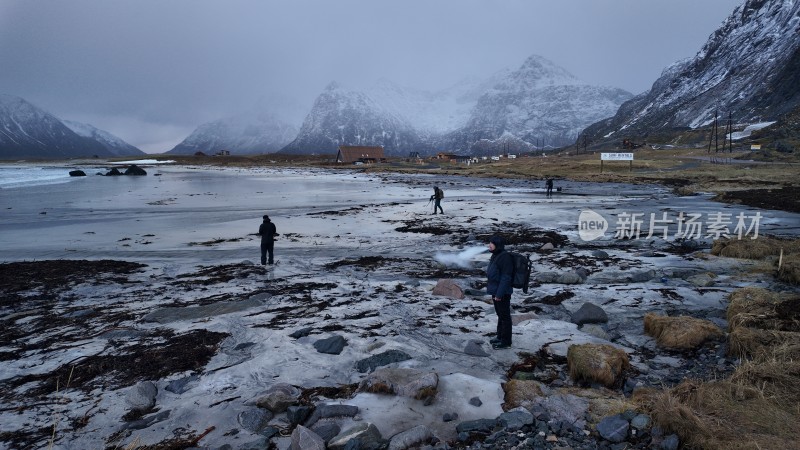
x,y
142,397
702,280
403,382
595,330
589,313
485,426
547,246
254,419
77,173
641,277
410,438
381,359
640,421
365,432
332,345
324,411
582,272
449,417
521,393
613,428
279,397
303,332
569,278
133,169
690,245
180,386
546,277
517,319
297,414
147,421
475,401
670,442
600,254
327,430
305,439
561,407
473,348
515,419
597,363
448,288
113,172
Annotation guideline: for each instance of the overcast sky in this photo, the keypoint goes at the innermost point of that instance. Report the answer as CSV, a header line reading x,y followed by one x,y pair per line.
x,y
151,71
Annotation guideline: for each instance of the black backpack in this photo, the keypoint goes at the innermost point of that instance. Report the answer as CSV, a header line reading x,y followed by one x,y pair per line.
x,y
522,271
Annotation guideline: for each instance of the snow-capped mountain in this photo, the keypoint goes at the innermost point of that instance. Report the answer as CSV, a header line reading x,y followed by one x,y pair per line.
x,y
345,117
749,67
112,143
253,132
539,105
30,132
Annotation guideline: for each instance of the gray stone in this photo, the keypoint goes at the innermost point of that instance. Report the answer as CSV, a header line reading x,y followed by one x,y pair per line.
x,y
449,417
297,414
365,432
546,277
600,254
404,382
702,280
569,278
475,401
254,419
410,438
641,277
326,430
332,345
595,330
613,428
670,442
142,397
305,439
582,272
381,359
147,421
133,169
562,407
180,386
277,402
515,419
547,246
77,173
480,425
640,421
448,288
473,348
589,313
303,332
324,411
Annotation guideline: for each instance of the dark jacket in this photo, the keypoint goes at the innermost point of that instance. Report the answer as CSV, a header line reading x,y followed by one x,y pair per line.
x,y
267,231
500,273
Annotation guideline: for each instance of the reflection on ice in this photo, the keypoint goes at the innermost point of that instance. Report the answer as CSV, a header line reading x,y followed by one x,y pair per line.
x,y
462,259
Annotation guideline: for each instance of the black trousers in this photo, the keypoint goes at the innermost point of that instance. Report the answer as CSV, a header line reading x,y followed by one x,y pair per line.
x,y
437,204
267,247
503,310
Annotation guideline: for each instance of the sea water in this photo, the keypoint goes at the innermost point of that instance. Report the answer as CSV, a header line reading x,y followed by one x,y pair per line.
x,y
24,176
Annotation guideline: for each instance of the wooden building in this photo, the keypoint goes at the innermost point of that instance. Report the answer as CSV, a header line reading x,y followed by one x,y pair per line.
x,y
352,154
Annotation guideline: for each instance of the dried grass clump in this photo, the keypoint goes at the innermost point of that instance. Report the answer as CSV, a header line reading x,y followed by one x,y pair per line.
x,y
725,415
681,332
747,342
789,271
597,363
776,373
758,308
758,248
520,393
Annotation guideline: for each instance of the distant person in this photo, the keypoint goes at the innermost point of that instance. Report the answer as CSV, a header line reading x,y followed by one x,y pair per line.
x,y
549,185
267,232
437,197
500,275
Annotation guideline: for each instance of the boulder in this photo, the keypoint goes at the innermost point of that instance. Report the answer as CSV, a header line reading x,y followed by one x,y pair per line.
x,y
254,419
366,433
680,332
473,348
279,397
410,438
303,332
448,288
597,363
613,428
484,426
381,359
326,430
113,172
403,382
332,345
589,313
595,330
547,246
297,414
77,173
133,169
569,278
142,397
324,411
702,280
305,439
600,254
641,277
515,419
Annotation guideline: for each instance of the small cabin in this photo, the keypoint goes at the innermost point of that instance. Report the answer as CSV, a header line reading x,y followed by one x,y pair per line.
x,y
351,154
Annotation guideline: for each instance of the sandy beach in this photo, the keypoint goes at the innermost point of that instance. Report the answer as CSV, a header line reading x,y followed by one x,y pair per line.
x,y
358,257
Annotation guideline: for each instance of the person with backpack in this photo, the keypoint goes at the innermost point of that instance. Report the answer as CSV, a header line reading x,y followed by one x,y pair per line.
x,y
438,195
267,232
500,276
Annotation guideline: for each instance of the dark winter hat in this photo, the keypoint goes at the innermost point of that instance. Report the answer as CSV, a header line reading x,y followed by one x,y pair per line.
x,y
266,217
498,241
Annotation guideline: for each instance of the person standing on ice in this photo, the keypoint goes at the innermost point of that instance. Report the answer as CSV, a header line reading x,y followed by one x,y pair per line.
x,y
500,275
437,196
267,232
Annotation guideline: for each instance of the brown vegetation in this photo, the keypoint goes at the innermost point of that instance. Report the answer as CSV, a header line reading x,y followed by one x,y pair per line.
x,y
597,363
680,333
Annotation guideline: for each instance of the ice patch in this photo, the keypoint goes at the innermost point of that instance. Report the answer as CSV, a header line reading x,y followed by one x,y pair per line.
x,y
462,259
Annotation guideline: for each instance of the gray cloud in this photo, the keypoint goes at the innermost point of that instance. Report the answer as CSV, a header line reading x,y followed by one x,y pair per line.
x,y
150,71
